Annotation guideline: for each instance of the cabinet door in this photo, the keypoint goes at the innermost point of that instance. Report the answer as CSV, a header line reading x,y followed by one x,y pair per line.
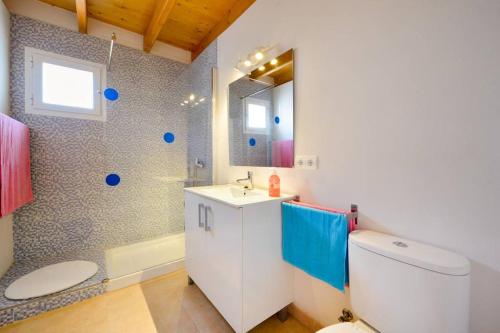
x,y
195,237
223,246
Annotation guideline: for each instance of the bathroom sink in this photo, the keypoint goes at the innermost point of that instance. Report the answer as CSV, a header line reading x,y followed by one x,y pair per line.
x,y
236,195
231,191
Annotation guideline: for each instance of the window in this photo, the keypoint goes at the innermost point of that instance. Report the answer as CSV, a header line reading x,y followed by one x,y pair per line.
x,y
256,116
61,86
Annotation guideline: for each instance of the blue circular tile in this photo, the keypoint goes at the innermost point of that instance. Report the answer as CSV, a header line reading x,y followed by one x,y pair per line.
x,y
277,120
252,142
112,179
111,94
169,137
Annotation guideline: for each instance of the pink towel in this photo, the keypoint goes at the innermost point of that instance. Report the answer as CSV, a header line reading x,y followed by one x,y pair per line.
x,y
282,153
15,175
352,222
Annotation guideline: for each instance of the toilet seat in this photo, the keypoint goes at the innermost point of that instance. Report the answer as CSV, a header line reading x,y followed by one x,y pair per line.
x,y
356,327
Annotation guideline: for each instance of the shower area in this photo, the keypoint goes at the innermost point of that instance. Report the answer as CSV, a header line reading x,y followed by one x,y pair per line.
x,y
109,192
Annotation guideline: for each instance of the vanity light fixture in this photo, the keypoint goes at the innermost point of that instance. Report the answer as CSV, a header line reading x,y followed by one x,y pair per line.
x,y
255,59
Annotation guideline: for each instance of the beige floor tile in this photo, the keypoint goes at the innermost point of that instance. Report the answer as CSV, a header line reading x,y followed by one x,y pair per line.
x,y
180,323
273,324
13,328
162,305
203,313
68,319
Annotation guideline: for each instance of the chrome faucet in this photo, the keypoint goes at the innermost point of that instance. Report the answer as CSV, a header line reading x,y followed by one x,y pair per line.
x,y
249,179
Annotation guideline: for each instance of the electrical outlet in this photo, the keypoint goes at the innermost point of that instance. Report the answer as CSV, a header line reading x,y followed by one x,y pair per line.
x,y
306,162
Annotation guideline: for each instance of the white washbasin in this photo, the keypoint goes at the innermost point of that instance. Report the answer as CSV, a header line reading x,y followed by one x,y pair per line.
x,y
236,195
230,191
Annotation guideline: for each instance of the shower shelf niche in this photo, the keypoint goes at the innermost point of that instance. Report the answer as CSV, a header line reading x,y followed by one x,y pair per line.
x,y
14,310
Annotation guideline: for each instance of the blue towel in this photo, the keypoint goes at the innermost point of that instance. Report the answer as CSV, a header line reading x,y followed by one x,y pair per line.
x,y
316,242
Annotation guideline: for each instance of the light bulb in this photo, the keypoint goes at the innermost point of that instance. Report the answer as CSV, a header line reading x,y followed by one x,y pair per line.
x,y
259,55
274,61
191,97
196,103
247,63
185,102
182,104
262,68
202,99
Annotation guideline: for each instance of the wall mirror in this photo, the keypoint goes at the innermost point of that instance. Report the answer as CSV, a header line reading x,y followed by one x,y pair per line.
x,y
261,115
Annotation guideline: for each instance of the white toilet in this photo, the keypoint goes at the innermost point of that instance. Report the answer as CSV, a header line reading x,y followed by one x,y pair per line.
x,y
401,286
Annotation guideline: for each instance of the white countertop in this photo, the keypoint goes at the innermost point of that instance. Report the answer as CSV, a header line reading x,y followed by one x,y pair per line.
x,y
235,195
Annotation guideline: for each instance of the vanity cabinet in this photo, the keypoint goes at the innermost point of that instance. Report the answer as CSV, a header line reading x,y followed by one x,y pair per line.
x,y
233,254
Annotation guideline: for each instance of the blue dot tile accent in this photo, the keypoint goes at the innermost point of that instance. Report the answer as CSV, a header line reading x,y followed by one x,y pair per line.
x,y
169,137
111,94
252,142
112,179
277,120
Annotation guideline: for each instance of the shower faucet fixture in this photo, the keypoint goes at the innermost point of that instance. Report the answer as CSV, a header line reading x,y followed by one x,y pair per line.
x,y
198,163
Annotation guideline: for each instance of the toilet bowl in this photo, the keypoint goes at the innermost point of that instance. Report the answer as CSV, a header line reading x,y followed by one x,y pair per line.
x,y
356,327
400,279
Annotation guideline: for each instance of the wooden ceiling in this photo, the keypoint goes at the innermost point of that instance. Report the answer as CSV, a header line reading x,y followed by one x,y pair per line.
x,y
189,24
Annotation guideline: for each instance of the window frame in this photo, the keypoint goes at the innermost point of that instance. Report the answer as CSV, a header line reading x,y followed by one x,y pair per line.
x,y
34,58
255,130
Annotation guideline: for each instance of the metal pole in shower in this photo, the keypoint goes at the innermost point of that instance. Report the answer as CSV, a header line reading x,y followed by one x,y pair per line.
x,y
113,39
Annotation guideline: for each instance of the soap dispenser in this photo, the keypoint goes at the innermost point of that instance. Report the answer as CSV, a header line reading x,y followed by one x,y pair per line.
x,y
274,185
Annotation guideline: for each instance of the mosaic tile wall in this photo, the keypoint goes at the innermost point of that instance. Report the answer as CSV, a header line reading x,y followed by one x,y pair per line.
x,y
74,208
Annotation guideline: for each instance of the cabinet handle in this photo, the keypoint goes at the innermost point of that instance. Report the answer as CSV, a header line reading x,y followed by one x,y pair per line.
x,y
207,226
200,207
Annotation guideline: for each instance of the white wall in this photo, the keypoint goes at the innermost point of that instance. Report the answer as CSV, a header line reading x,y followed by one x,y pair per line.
x,y
6,243
400,99
57,16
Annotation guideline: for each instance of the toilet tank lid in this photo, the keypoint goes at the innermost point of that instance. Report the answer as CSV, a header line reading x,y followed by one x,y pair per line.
x,y
411,252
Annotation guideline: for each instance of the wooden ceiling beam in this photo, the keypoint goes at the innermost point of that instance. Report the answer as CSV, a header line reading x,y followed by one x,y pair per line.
x,y
160,16
81,15
239,7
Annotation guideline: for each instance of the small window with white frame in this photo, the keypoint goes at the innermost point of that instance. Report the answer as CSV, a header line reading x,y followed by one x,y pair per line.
x,y
61,86
256,116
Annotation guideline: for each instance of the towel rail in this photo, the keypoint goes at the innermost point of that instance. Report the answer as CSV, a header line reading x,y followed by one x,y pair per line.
x,y
352,215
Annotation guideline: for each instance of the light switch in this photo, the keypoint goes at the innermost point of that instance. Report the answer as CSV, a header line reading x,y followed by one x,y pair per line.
x,y
306,162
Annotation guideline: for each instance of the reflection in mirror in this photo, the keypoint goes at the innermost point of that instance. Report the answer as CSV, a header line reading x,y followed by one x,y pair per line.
x,y
261,115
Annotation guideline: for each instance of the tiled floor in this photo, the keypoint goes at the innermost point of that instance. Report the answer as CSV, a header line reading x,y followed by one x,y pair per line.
x,y
163,305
